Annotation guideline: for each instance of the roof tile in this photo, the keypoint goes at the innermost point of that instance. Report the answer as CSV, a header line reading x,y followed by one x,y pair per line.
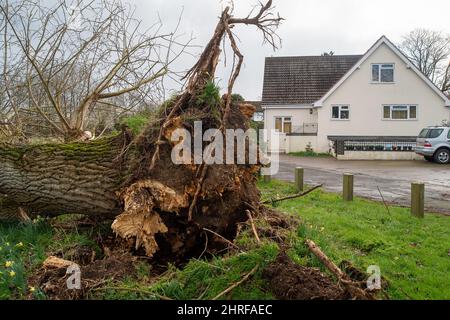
x,y
304,79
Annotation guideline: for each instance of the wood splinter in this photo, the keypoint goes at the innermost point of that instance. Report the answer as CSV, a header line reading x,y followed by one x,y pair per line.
x,y
249,214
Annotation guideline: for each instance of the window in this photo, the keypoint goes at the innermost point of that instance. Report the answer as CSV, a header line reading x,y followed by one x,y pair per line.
x,y
399,112
283,124
448,136
383,73
340,113
430,133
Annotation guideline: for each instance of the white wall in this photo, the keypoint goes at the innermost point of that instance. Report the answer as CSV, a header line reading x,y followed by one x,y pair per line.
x,y
378,155
299,116
366,102
299,143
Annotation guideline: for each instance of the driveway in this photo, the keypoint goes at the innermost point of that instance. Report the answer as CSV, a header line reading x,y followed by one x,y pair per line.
x,y
392,177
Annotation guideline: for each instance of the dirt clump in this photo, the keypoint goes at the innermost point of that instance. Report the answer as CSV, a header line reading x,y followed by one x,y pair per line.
x,y
53,281
290,281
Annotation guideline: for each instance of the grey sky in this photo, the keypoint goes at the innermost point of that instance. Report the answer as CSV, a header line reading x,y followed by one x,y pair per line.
x,y
311,28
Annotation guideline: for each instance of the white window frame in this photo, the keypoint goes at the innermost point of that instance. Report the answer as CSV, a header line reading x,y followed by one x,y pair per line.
x,y
380,66
408,106
340,106
283,121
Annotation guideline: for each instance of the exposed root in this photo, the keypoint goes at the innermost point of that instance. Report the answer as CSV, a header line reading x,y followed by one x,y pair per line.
x,y
351,287
140,219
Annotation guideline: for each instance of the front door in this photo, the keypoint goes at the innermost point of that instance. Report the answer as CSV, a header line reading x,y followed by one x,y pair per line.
x,y
283,127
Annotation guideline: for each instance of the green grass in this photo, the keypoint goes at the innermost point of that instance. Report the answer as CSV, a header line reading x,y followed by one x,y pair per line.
x,y
23,249
413,254
310,154
202,279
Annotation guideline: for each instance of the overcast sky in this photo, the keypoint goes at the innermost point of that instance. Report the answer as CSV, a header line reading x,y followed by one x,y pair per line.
x,y
311,28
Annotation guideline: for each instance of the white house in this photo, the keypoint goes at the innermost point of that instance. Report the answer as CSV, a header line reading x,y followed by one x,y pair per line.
x,y
369,106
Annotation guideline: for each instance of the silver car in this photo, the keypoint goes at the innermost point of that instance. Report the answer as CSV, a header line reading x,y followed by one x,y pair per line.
x,y
434,144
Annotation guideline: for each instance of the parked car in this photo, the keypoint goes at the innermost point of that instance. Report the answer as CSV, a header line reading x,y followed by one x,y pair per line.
x,y
434,144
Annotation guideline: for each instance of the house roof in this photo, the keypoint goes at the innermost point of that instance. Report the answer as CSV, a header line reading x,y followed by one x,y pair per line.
x,y
303,79
381,41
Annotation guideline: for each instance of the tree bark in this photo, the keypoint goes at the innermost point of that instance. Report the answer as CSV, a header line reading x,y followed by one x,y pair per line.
x,y
77,178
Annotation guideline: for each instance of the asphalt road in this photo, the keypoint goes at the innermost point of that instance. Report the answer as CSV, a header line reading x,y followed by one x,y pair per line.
x,y
392,177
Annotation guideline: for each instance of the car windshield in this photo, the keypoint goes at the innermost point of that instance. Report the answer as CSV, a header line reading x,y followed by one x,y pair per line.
x,y
430,133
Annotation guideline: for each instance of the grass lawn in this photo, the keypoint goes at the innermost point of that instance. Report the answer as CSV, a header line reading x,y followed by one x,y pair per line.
x,y
413,254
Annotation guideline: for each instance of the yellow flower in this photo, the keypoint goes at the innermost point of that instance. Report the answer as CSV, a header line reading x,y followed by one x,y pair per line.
x,y
12,274
19,245
7,244
9,264
32,289
321,229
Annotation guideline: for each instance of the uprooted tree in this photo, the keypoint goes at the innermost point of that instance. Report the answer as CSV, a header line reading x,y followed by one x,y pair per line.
x,y
156,203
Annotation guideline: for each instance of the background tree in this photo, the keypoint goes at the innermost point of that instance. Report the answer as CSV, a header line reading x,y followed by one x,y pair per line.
x,y
328,54
430,52
63,62
446,81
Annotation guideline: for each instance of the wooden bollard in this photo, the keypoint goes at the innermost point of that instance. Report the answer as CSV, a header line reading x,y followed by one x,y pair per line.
x,y
299,178
348,187
267,178
418,199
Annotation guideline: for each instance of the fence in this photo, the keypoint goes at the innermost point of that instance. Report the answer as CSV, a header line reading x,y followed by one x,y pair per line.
x,y
379,146
374,143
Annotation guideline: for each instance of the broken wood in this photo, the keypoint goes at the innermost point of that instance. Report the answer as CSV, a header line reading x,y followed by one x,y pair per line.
x,y
223,238
294,196
57,263
250,218
353,289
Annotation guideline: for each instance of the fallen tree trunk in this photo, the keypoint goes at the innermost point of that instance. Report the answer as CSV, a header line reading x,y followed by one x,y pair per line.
x,y
94,179
77,178
158,204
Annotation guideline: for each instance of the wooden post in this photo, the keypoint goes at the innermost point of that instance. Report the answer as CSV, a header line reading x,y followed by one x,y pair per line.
x,y
348,187
267,178
418,199
299,178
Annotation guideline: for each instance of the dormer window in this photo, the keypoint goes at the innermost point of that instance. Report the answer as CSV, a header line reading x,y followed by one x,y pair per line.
x,y
383,73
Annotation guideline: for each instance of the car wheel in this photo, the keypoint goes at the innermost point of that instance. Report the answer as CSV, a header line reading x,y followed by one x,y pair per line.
x,y
442,156
431,159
